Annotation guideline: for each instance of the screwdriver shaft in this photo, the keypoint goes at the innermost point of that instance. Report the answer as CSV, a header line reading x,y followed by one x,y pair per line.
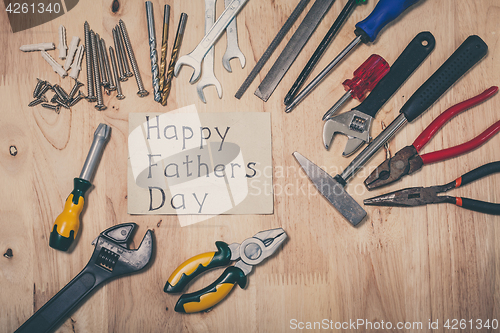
x,y
300,96
337,106
101,135
343,16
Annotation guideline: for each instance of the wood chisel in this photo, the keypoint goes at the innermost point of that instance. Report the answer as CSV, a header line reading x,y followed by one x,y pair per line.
x,y
465,57
293,48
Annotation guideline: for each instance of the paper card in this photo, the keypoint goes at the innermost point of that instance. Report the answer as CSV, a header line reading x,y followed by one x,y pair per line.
x,y
188,163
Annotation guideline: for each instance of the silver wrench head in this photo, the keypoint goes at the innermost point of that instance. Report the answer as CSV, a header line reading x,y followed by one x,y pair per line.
x,y
231,53
112,252
189,61
355,124
205,82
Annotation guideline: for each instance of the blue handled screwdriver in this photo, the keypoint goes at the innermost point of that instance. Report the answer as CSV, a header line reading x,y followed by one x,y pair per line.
x,y
366,31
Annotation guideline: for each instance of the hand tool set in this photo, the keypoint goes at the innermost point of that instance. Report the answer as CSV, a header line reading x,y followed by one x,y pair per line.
x,y
366,31
251,252
318,53
270,49
293,48
356,124
365,79
112,257
408,160
467,55
195,57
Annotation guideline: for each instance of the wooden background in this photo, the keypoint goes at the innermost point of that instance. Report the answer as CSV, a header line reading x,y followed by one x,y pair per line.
x,y
400,265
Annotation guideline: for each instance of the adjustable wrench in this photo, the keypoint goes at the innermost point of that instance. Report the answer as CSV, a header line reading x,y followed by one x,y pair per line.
x,y
232,48
208,77
196,56
356,124
111,259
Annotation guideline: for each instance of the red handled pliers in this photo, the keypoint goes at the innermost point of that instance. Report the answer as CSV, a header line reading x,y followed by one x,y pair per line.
x,y
419,196
408,160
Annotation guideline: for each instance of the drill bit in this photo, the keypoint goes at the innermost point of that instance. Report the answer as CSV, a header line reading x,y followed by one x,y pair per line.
x,y
164,40
173,58
153,55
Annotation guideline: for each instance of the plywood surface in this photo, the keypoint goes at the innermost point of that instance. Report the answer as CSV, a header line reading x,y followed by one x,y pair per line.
x,y
400,265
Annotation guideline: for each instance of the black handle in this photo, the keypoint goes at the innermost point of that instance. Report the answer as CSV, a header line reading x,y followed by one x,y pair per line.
x,y
478,173
63,302
467,55
409,60
479,206
208,297
197,265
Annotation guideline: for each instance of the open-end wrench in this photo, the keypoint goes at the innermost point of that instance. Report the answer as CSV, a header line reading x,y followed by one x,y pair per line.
x,y
111,259
208,77
196,56
232,48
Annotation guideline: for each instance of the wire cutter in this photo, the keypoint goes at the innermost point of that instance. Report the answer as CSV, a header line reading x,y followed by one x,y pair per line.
x,y
252,251
407,160
419,196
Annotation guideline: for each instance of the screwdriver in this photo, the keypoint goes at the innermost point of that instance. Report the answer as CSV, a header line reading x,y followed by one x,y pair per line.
x,y
68,222
365,79
366,31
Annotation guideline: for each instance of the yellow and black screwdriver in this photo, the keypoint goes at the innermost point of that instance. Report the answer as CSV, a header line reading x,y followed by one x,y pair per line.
x,y
68,222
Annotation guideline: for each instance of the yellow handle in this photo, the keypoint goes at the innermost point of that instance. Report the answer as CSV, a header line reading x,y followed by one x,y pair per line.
x,y
208,297
209,300
189,266
196,265
69,219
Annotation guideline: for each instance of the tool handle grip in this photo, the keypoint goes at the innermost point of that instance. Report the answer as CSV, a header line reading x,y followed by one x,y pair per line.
x,y
478,173
409,60
67,224
195,266
478,206
210,296
61,304
385,11
464,58
451,112
445,154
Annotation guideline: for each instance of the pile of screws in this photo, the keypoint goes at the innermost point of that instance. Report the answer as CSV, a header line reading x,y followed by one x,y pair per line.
x,y
60,99
99,74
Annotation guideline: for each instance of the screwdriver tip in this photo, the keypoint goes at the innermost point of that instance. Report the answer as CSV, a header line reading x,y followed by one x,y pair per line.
x,y
103,131
288,100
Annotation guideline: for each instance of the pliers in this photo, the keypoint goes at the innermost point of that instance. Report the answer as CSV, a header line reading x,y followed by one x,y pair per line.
x,y
419,196
252,251
407,160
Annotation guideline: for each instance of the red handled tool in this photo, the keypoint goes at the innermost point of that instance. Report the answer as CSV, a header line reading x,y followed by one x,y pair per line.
x,y
419,196
365,79
408,160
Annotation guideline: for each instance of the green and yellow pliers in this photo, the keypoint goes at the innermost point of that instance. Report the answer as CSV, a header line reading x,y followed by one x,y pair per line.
x,y
252,251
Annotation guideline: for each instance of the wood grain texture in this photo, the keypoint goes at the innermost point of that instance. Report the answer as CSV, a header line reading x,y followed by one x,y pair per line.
x,y
401,265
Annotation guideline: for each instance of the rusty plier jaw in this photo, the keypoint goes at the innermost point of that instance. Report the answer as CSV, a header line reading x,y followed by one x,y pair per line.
x,y
405,162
